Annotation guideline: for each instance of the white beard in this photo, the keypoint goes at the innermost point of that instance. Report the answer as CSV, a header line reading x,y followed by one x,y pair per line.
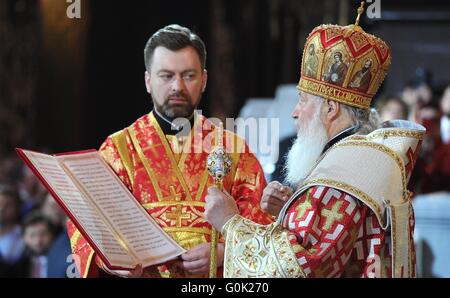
x,y
306,150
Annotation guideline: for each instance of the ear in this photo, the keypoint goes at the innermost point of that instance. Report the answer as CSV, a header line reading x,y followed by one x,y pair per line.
x,y
333,110
204,79
147,82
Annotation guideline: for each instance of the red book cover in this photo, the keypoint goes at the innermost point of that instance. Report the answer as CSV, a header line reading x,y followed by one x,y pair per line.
x,y
62,205
89,187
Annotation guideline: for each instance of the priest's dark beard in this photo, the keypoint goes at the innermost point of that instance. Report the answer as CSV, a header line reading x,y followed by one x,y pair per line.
x,y
172,111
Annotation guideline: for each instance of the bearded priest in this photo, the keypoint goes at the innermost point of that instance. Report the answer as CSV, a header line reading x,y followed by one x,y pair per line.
x,y
162,156
350,214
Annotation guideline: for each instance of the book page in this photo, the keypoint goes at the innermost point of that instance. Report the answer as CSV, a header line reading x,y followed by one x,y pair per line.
x,y
80,208
145,238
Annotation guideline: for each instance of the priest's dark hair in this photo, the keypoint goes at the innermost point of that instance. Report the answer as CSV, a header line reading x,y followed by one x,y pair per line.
x,y
174,37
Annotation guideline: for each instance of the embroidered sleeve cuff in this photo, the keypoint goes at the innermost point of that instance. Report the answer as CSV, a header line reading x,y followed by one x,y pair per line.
x,y
230,224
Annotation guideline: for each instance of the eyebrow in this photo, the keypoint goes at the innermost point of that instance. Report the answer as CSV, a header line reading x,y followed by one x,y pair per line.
x,y
183,72
163,70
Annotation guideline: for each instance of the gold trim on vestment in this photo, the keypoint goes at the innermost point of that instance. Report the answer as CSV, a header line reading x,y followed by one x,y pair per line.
x,y
120,142
238,143
185,152
169,153
351,190
88,264
333,92
385,149
389,133
201,186
75,237
145,163
204,230
171,203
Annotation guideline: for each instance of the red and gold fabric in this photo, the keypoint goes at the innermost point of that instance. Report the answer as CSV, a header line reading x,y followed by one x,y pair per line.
x,y
171,185
344,63
326,233
351,217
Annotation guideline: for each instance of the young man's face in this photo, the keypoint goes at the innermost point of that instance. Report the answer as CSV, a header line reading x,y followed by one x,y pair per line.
x,y
176,81
38,238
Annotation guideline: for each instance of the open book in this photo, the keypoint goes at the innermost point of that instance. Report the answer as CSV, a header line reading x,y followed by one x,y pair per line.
x,y
116,226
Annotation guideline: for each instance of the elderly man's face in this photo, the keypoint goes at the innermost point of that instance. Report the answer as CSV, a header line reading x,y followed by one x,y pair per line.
x,y
304,110
368,64
311,138
337,58
176,81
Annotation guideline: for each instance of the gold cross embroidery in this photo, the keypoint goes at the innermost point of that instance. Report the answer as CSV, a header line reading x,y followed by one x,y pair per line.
x,y
173,195
332,215
302,207
177,215
152,148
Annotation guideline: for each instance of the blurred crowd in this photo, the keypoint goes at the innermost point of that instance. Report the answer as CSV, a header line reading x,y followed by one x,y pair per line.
x,y
33,237
418,102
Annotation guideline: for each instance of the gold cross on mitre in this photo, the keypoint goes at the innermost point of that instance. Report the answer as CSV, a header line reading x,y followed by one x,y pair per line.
x,y
360,12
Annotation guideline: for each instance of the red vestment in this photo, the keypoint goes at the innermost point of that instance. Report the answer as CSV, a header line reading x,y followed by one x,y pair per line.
x,y
171,186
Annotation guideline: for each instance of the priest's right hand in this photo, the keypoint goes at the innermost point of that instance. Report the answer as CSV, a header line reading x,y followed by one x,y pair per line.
x,y
274,197
196,261
132,273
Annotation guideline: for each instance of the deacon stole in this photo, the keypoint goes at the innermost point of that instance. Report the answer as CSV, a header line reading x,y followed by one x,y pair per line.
x,y
172,185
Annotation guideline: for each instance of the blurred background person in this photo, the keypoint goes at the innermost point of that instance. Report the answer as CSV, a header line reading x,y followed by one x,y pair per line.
x,y
393,108
38,234
58,254
31,191
432,172
445,118
11,243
